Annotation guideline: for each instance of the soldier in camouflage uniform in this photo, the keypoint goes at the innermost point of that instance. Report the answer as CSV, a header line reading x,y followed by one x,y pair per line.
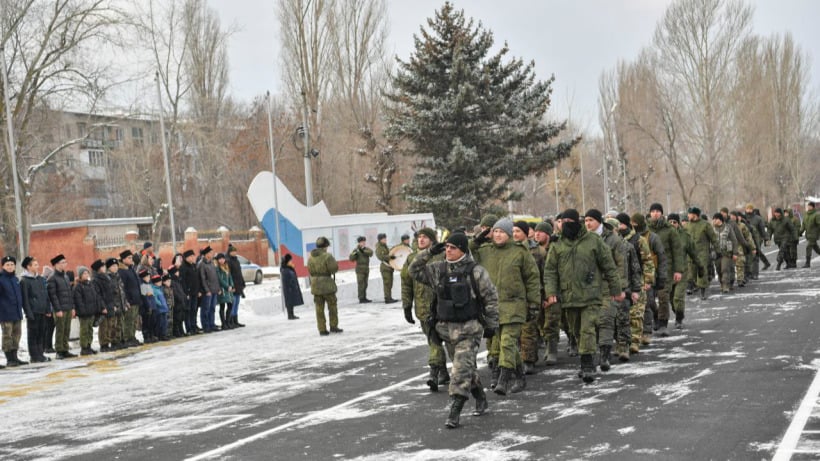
x,y
782,231
421,295
631,273
788,213
727,250
530,332
550,316
515,276
593,220
467,309
745,251
361,255
647,278
692,267
574,270
811,227
677,264
704,239
117,337
751,269
661,263
322,267
756,221
383,255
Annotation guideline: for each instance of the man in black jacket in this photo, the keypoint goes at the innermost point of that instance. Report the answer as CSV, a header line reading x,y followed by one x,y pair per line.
x,y
131,285
238,286
62,301
36,308
189,277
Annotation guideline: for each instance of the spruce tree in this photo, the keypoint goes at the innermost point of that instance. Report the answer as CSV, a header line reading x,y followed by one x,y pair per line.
x,y
474,122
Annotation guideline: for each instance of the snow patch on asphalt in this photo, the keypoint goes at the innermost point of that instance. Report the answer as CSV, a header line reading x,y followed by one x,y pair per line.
x,y
672,392
500,448
626,430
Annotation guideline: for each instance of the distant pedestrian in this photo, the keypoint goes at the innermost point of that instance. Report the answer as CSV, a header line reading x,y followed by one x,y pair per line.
x,y
290,286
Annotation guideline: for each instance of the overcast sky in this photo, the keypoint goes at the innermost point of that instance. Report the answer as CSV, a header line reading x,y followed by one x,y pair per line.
x,y
574,40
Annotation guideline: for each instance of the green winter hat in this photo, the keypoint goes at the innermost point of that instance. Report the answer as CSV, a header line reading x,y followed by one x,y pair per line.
x,y
488,220
639,222
430,233
544,227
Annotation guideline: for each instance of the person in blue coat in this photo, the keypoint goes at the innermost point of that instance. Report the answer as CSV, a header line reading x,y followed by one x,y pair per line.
x,y
290,285
11,311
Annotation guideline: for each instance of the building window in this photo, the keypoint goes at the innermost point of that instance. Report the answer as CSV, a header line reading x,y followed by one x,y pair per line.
x,y
81,129
96,158
136,136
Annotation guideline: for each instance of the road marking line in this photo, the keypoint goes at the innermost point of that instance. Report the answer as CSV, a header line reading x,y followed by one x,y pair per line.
x,y
306,418
788,446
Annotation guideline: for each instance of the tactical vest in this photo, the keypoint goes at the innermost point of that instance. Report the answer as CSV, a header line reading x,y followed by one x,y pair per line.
x,y
454,299
724,241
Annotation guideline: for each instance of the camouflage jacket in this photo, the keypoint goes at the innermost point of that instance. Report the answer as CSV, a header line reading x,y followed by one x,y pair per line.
x,y
644,254
362,258
515,276
429,275
781,230
383,255
414,292
671,246
613,241
575,270
703,238
811,225
322,267
727,243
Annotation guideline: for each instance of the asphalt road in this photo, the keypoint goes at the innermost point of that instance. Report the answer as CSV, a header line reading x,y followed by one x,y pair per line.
x,y
728,386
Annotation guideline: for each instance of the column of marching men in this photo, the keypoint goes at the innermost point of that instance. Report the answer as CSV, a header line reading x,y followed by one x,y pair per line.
x,y
120,296
610,282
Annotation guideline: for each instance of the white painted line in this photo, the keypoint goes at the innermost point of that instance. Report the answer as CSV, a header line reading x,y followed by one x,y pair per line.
x,y
788,445
306,418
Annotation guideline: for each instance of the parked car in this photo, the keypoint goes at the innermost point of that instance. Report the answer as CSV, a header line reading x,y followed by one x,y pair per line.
x,y
250,271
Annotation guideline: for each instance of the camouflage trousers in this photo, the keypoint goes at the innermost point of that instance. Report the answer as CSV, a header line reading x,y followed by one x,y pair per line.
x,y
606,321
436,356
726,274
110,331
464,338
129,322
582,321
319,301
361,281
387,282
650,312
530,334
62,329
740,267
554,322
636,317
86,331
504,345
679,298
661,309
623,331
700,282
12,332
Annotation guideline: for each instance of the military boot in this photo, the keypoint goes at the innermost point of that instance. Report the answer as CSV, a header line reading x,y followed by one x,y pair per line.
x,y
529,368
573,347
519,382
492,364
443,376
235,323
10,362
455,411
503,381
605,357
480,400
662,331
587,368
623,352
432,379
808,258
16,359
552,353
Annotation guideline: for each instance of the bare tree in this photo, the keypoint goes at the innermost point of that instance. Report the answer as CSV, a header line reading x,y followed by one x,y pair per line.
x,y
697,42
48,53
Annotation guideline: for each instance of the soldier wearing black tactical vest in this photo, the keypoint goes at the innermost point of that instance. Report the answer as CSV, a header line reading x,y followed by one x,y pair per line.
x,y
466,309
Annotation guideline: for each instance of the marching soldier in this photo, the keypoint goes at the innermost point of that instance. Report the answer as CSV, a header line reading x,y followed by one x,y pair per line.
x,y
383,255
361,255
322,267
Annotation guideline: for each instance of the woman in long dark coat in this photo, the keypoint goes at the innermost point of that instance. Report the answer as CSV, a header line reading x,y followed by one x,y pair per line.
x,y
290,286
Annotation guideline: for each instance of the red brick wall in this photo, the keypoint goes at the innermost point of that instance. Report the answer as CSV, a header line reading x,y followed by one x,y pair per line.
x,y
78,251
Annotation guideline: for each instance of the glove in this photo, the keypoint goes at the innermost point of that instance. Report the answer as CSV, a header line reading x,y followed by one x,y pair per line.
x,y
532,313
437,248
482,237
408,315
489,332
392,256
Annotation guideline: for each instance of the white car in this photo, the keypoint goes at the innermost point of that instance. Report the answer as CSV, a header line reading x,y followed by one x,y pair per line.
x,y
250,271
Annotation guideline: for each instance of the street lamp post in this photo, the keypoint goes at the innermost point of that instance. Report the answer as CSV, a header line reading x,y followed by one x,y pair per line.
x,y
167,168
273,171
